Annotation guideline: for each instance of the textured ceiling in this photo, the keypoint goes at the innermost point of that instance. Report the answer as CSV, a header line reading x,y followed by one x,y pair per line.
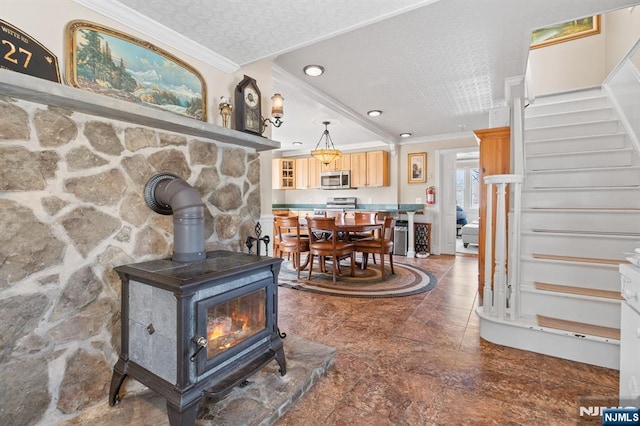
x,y
431,66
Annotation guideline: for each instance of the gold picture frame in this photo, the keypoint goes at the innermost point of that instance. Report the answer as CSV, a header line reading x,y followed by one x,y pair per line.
x,y
111,63
565,31
417,167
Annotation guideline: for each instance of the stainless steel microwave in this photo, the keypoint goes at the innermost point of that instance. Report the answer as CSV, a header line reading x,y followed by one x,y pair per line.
x,y
335,180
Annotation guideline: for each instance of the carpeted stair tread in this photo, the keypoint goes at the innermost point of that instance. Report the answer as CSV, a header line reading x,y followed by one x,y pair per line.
x,y
578,259
578,327
583,291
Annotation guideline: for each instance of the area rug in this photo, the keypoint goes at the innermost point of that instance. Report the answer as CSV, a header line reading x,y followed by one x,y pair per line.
x,y
408,280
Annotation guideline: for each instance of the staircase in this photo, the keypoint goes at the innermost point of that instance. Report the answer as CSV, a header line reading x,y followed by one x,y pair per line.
x,y
580,214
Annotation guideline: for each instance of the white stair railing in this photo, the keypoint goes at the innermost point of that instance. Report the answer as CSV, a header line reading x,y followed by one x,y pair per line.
x,y
623,89
501,295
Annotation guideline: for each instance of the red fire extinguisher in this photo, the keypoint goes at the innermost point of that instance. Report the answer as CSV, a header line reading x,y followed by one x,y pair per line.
x,y
431,195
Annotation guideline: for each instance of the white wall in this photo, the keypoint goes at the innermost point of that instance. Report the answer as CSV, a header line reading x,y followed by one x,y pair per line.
x,y
623,30
410,191
570,65
586,61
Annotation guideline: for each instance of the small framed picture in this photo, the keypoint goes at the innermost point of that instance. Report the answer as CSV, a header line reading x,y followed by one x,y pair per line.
x,y
418,167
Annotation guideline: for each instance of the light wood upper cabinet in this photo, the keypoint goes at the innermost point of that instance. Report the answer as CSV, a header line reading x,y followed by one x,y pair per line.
x,y
370,169
314,173
302,173
307,173
342,163
359,170
283,173
378,168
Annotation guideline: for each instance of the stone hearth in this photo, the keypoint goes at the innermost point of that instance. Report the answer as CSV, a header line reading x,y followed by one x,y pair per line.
x,y
267,397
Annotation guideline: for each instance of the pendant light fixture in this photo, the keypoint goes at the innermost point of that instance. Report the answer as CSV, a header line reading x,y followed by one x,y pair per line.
x,y
329,153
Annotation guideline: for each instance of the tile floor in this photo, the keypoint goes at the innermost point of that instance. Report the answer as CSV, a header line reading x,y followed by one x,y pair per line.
x,y
419,360
470,249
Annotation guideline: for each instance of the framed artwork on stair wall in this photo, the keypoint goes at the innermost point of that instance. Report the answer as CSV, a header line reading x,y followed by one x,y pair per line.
x,y
565,31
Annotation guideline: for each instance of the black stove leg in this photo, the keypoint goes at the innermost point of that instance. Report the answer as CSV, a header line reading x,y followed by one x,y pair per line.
x,y
119,374
185,416
282,361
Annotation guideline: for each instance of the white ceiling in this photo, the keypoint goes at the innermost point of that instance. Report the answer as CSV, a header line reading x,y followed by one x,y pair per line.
x,y
431,66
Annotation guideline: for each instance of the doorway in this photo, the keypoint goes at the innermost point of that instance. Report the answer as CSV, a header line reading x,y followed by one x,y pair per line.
x,y
467,201
452,194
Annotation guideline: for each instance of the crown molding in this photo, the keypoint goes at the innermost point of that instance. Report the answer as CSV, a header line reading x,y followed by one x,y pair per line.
x,y
291,84
133,19
438,138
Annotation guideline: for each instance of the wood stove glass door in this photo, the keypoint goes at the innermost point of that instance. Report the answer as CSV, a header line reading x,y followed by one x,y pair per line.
x,y
234,321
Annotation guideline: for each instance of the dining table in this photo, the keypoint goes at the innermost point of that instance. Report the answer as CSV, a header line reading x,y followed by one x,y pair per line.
x,y
348,224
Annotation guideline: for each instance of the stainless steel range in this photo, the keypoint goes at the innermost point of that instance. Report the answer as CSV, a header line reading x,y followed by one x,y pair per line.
x,y
341,202
200,323
336,205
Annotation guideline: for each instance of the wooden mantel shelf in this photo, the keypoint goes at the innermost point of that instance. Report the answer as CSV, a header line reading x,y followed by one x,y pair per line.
x,y
42,91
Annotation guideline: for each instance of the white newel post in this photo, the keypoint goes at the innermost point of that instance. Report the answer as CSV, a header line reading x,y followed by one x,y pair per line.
x,y
487,294
502,291
500,271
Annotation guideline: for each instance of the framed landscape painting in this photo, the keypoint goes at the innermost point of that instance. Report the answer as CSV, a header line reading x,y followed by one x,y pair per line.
x,y
418,167
111,63
565,31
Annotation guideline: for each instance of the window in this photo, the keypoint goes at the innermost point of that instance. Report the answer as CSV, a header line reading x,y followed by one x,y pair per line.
x,y
468,187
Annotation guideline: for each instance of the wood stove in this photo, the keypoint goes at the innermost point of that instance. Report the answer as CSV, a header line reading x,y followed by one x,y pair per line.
x,y
197,329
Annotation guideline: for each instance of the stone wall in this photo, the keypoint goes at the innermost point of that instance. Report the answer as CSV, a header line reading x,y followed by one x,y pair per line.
x,y
72,208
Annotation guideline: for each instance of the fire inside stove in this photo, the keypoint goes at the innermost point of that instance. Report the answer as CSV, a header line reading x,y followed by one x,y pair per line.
x,y
234,321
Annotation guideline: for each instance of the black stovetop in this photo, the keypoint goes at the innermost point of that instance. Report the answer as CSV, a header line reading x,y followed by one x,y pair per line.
x,y
217,264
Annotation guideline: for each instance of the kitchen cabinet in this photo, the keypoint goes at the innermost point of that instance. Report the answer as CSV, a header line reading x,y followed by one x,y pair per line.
x,y
342,163
314,173
370,169
283,173
494,160
307,173
302,173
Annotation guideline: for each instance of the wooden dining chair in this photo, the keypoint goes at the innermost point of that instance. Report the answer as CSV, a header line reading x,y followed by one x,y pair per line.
x,y
323,243
290,240
364,217
276,237
380,245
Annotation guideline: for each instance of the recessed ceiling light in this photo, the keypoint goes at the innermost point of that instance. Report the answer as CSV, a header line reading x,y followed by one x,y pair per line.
x,y
405,135
374,113
297,143
313,70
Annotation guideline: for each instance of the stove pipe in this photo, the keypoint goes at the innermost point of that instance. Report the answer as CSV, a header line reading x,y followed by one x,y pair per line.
x,y
166,193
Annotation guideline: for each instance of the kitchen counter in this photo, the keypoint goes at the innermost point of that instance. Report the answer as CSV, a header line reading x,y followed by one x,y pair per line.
x,y
383,208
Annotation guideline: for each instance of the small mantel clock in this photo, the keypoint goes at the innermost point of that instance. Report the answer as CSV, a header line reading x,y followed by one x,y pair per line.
x,y
248,106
